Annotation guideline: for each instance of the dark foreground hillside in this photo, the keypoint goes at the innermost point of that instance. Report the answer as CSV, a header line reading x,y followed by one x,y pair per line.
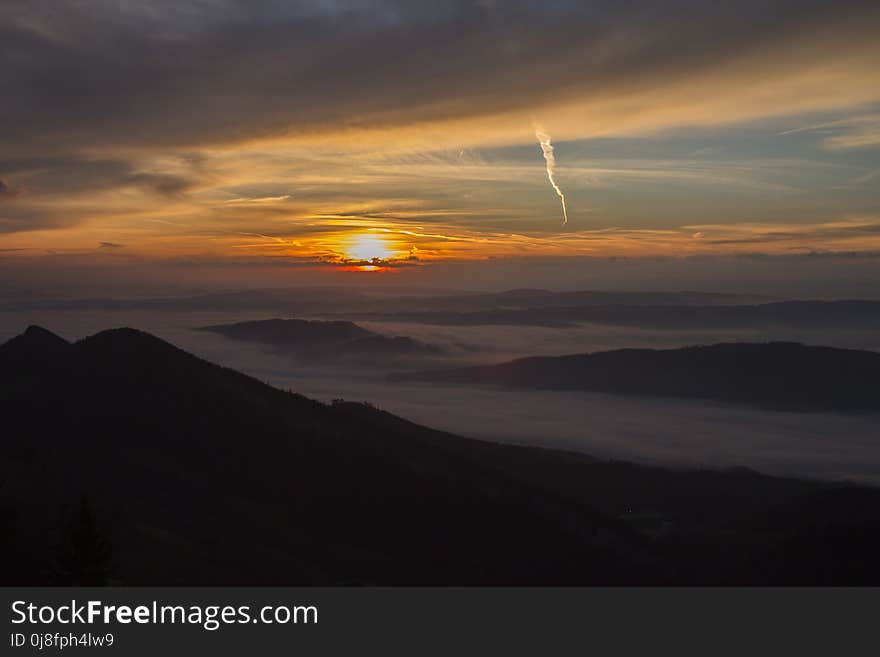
x,y
126,460
783,375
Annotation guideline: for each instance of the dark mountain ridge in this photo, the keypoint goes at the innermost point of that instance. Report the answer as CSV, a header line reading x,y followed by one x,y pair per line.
x,y
775,374
197,474
214,477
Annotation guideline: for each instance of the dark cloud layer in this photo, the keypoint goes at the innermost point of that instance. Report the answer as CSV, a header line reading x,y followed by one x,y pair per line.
x,y
805,276
7,194
77,75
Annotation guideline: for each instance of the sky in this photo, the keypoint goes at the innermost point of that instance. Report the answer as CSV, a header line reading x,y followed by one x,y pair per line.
x,y
274,143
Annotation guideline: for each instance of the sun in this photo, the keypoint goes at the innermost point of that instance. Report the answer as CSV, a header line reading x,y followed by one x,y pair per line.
x,y
369,247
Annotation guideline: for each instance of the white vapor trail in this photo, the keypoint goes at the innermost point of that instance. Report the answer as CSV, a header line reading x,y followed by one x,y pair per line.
x,y
547,150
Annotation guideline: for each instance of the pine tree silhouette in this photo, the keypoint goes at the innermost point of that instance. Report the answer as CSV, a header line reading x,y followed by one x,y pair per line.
x,y
7,532
84,558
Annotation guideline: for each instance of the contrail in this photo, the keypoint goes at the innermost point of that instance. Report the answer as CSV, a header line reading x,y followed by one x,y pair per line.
x,y
547,150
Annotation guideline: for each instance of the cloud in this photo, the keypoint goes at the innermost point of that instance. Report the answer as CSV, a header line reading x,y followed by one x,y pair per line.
x,y
858,132
66,190
161,183
7,194
179,126
225,72
110,245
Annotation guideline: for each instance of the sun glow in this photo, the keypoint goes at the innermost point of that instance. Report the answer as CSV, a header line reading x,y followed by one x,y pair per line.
x,y
369,247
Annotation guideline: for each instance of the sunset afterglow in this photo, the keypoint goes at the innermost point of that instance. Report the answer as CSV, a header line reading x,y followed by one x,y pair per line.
x,y
767,147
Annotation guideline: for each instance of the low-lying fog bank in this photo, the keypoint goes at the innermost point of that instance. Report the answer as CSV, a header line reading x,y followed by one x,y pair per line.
x,y
823,445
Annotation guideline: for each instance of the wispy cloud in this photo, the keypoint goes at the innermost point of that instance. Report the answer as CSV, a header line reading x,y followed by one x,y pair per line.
x,y
858,131
233,127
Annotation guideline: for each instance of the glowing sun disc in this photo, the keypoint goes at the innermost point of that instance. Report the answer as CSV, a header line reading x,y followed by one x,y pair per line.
x,y
368,246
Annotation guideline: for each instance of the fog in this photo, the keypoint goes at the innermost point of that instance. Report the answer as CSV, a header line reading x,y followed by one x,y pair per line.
x,y
671,432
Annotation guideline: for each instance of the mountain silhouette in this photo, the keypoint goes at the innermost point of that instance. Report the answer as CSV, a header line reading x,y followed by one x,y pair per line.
x,y
775,374
215,477
127,460
323,340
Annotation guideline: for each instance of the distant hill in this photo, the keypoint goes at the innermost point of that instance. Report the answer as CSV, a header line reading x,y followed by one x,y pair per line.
x,y
321,340
647,312
126,460
776,374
